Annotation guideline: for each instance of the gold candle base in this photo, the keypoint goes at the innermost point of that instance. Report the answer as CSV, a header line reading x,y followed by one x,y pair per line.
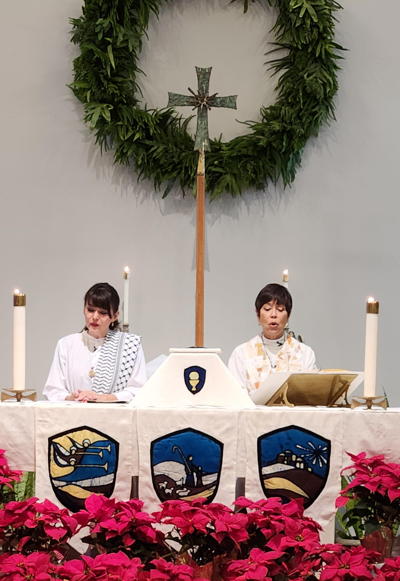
x,y
378,400
125,328
18,395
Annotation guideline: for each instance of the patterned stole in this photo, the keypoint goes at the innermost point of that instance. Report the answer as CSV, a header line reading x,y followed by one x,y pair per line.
x,y
258,365
116,361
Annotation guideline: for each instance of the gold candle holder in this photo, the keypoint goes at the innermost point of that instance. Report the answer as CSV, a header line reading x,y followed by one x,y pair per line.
x,y
372,307
19,299
369,401
18,394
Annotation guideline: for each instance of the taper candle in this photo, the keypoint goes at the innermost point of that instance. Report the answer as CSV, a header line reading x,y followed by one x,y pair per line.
x,y
371,347
19,341
125,319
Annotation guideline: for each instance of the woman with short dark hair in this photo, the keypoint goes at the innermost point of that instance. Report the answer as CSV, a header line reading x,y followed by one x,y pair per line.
x,y
270,351
101,363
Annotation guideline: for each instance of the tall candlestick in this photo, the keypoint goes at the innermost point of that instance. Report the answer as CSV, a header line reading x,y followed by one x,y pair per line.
x,y
19,341
125,319
285,278
371,347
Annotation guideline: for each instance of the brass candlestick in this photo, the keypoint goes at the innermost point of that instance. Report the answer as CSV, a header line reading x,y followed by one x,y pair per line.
x,y
18,394
369,401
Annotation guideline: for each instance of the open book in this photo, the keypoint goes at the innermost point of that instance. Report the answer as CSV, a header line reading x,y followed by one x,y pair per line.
x,y
315,388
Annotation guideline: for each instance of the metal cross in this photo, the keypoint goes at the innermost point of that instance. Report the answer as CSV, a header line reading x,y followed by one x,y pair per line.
x,y
203,102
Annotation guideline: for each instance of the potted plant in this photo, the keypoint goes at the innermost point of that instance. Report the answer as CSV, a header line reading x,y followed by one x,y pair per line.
x,y
203,535
371,501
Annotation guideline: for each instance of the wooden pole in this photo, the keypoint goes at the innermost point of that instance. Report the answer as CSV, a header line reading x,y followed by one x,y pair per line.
x,y
200,245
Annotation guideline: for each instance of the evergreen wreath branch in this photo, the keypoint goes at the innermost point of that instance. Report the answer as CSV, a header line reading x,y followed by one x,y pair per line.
x,y
109,34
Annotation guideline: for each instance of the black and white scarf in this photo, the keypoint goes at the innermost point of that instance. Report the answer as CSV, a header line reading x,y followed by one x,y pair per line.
x,y
116,361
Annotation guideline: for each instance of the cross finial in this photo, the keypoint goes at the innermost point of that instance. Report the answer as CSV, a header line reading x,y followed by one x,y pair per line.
x,y
203,102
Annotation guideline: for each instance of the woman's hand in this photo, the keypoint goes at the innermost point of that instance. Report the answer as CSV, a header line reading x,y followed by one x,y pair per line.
x,y
106,397
86,395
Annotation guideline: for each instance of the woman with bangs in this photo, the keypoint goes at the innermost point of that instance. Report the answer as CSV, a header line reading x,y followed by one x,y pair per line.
x,y
100,364
271,351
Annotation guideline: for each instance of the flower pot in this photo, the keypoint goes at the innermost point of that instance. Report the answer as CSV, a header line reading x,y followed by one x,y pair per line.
x,y
381,541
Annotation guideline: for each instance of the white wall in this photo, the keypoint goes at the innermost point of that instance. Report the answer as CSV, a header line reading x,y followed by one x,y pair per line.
x,y
69,218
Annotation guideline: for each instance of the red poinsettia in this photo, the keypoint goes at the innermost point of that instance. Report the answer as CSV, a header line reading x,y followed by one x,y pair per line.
x,y
187,517
264,540
121,526
390,570
166,571
372,495
280,526
344,564
7,476
29,526
107,567
17,567
259,565
203,531
373,473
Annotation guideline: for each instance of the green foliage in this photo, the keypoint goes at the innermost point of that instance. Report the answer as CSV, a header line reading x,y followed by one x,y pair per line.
x,y
20,489
25,488
365,512
106,81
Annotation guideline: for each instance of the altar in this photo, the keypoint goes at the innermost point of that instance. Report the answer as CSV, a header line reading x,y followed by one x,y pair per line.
x,y
170,452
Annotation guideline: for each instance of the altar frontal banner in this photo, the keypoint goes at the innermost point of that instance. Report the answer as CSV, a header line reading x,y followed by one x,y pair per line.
x,y
377,432
17,434
187,454
286,458
83,449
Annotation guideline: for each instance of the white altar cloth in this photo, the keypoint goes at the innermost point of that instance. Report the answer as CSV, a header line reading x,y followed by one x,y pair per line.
x,y
373,431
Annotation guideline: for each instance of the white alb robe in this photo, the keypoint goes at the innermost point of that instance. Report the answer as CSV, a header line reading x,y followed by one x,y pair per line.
x,y
250,364
74,359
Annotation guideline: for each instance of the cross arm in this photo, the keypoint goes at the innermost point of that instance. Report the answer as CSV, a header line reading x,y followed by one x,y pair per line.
x,y
229,102
177,100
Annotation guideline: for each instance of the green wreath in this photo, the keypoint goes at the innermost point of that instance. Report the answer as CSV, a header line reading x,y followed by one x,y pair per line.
x,y
106,80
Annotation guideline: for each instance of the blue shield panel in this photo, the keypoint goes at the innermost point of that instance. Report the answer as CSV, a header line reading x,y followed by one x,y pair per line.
x,y
81,462
195,378
293,463
186,465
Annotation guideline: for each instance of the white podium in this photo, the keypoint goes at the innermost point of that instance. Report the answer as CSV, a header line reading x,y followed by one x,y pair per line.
x,y
194,377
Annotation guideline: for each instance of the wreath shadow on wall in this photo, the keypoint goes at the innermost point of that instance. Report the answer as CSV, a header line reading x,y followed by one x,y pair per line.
x,y
109,34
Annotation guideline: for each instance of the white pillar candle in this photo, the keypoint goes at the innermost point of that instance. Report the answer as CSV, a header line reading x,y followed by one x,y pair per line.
x,y
125,318
371,347
285,278
19,341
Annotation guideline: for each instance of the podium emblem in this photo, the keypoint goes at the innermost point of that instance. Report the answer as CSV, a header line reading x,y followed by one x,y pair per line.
x,y
293,463
195,378
185,465
81,462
